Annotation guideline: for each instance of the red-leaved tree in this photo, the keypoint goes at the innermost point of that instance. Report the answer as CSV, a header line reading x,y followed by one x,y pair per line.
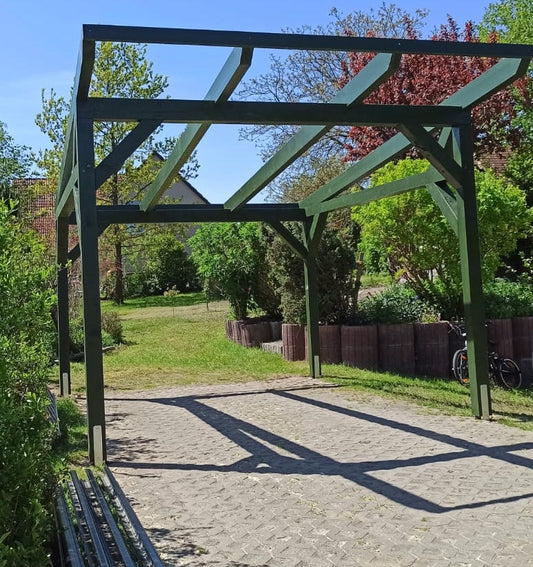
x,y
428,80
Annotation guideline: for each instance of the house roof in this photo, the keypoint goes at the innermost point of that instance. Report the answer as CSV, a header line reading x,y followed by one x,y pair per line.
x,y
157,156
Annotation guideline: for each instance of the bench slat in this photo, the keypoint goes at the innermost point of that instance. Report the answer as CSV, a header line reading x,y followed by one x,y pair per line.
x,y
147,544
73,550
110,522
97,538
100,528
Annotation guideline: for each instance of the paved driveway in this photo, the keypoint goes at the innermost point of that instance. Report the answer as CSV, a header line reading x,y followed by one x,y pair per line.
x,y
295,472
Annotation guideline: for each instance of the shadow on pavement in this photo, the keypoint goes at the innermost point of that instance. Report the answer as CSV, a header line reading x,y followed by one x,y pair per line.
x,y
264,460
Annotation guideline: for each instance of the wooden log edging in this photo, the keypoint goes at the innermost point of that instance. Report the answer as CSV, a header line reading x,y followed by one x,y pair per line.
x,y
432,349
423,349
396,347
330,344
293,338
359,346
523,345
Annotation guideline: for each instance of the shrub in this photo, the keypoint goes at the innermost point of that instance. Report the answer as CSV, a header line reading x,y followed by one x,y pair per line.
x,y
409,234
111,331
229,258
336,269
112,325
395,304
141,283
505,299
27,477
26,333
162,263
170,265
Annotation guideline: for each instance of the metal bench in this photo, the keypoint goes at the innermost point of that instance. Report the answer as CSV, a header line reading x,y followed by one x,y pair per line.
x,y
100,528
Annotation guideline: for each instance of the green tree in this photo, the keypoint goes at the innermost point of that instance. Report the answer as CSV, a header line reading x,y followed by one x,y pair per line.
x,y
16,162
336,263
26,339
120,70
338,278
160,264
229,258
512,22
408,234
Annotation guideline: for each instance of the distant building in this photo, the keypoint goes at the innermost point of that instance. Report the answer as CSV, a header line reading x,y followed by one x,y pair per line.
x,y
36,197
183,191
37,202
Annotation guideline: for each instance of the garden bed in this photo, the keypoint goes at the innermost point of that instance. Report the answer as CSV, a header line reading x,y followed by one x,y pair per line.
x,y
423,349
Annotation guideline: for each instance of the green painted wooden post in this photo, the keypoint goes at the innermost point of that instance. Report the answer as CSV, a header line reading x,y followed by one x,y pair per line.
x,y
313,229
307,252
311,305
63,342
88,230
472,285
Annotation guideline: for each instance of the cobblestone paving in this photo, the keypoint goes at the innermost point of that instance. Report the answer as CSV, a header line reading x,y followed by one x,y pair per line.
x,y
296,473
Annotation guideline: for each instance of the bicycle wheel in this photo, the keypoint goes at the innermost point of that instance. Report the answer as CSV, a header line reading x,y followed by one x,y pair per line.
x,y
460,367
509,373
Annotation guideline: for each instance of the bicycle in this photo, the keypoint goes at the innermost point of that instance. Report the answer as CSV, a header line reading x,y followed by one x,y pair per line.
x,y
502,371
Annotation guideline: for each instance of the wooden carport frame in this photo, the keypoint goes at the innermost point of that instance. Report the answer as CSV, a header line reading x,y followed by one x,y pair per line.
x,y
449,180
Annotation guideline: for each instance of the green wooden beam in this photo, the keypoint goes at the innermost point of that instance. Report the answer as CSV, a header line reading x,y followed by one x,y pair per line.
x,y
313,229
379,192
63,332
84,69
65,204
434,153
80,91
85,200
67,159
289,238
446,201
226,82
491,81
478,369
112,163
307,113
475,92
74,253
374,74
124,214
310,42
388,151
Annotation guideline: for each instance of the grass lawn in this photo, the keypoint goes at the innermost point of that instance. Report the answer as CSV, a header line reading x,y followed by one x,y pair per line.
x,y
181,340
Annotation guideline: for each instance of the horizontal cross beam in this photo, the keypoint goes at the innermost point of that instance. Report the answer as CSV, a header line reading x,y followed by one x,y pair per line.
x,y
126,214
208,112
308,42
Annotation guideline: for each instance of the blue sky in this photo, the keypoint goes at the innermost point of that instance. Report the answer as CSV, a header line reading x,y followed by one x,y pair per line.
x,y
39,44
